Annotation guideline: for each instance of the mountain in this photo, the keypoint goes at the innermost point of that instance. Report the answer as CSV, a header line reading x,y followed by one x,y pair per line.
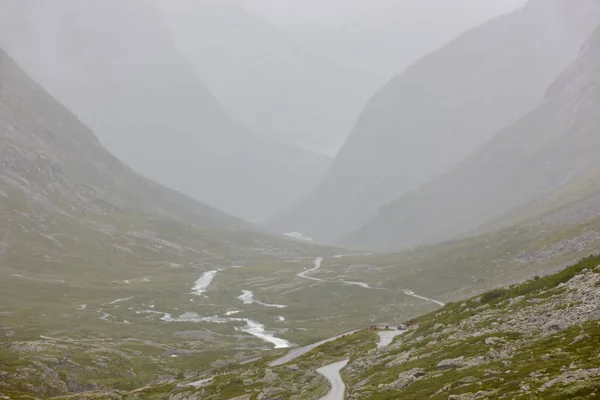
x,y
262,76
100,270
440,110
546,159
59,185
81,235
385,36
114,64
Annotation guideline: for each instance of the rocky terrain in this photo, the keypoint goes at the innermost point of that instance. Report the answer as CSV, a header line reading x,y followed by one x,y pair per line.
x,y
535,340
113,286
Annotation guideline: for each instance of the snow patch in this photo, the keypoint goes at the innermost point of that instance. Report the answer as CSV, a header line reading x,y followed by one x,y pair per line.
x,y
298,236
353,255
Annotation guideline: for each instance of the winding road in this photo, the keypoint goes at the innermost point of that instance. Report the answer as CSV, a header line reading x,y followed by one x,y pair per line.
x,y
300,351
387,337
319,261
332,373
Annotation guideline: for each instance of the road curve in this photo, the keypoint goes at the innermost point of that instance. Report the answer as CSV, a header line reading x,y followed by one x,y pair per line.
x,y
317,264
319,261
300,351
387,337
332,373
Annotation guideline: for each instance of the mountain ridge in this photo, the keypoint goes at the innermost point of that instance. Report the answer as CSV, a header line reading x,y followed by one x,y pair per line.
x,y
439,110
274,85
132,87
549,148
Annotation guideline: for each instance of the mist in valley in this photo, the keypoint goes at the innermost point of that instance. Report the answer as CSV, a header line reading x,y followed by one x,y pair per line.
x,y
269,199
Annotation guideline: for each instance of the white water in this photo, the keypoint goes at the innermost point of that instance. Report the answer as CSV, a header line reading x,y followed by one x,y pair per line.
x,y
317,264
361,284
281,319
150,312
204,282
252,327
256,329
119,300
105,316
412,294
228,313
247,297
319,261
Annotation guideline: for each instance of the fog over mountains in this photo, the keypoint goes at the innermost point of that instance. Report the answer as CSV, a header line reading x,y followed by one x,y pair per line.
x,y
552,149
231,200
115,65
440,110
382,36
266,79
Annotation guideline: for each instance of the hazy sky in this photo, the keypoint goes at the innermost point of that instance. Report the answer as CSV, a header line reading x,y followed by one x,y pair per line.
x,y
385,34
296,11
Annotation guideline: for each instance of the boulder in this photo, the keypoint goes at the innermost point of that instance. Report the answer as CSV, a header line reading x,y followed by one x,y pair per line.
x,y
453,363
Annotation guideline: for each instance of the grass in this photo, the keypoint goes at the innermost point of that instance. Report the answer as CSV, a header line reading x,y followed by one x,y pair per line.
x,y
541,284
575,348
458,269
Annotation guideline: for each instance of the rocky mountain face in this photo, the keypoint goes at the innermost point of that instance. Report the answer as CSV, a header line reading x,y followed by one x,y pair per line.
x,y
59,187
441,109
262,76
547,157
115,66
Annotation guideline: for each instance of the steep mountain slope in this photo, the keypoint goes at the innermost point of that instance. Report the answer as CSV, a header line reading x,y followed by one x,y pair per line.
x,y
81,234
262,76
380,35
441,109
45,148
113,63
542,159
